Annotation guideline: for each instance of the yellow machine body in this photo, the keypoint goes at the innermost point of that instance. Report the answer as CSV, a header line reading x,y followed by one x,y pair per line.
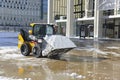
x,y
21,41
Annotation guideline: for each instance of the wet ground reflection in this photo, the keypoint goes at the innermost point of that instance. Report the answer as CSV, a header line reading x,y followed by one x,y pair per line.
x,y
74,58
89,61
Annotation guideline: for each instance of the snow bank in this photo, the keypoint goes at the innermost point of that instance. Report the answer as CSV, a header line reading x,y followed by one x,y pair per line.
x,y
9,53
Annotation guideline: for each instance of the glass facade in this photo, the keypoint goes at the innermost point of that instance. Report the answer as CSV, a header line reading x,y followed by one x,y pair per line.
x,y
108,12
44,7
84,17
79,8
19,12
60,9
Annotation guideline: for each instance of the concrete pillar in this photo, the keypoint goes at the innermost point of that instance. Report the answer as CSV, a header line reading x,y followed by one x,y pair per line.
x,y
116,8
98,22
116,29
50,12
70,18
86,7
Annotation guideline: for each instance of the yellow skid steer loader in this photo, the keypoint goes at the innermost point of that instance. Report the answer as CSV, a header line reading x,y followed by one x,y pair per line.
x,y
42,41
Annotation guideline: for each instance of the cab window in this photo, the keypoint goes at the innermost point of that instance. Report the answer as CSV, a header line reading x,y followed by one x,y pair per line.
x,y
39,30
49,30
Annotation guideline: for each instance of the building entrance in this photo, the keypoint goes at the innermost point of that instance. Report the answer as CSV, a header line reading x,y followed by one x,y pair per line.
x,y
111,30
61,28
108,30
86,31
117,31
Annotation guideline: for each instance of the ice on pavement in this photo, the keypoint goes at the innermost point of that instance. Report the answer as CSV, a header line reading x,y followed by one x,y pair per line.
x,y
9,53
113,47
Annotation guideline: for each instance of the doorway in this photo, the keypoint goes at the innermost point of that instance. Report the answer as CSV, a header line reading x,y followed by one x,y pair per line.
x,y
86,31
61,28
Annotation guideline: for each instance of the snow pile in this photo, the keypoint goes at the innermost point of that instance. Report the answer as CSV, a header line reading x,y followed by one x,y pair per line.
x,y
55,42
74,75
9,53
59,42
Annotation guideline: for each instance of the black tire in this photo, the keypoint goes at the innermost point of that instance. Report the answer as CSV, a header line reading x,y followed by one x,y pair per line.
x,y
37,51
25,49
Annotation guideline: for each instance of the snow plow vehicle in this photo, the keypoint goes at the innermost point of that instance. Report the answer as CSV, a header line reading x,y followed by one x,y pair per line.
x,y
42,41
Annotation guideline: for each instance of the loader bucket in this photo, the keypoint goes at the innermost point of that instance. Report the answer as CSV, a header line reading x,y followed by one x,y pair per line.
x,y
58,52
57,44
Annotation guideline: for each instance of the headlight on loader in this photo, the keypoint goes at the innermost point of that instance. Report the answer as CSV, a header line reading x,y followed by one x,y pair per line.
x,y
39,40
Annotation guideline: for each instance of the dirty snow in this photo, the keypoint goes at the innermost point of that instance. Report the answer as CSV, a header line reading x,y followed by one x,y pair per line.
x,y
1,72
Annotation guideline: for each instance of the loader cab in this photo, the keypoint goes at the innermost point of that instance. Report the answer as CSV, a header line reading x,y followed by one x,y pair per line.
x,y
41,30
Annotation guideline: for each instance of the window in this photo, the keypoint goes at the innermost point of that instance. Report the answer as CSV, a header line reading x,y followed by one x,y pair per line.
x,y
108,12
60,8
79,8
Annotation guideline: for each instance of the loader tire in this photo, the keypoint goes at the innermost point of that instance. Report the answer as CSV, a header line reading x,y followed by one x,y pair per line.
x,y
25,49
37,51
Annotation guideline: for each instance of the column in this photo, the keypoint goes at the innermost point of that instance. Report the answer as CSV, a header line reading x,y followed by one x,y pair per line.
x,y
86,7
70,18
98,22
116,8
50,12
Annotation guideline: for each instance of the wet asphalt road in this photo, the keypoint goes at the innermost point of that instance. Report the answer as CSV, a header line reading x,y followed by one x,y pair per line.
x,y
89,61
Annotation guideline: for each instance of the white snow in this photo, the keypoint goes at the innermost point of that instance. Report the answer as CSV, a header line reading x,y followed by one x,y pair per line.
x,y
59,42
8,49
9,53
113,47
5,78
74,75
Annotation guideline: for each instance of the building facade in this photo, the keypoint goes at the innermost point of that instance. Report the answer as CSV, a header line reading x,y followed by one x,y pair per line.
x,y
20,12
86,18
44,7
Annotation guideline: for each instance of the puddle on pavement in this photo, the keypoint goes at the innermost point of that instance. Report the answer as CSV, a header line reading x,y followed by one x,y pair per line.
x,y
86,63
75,58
